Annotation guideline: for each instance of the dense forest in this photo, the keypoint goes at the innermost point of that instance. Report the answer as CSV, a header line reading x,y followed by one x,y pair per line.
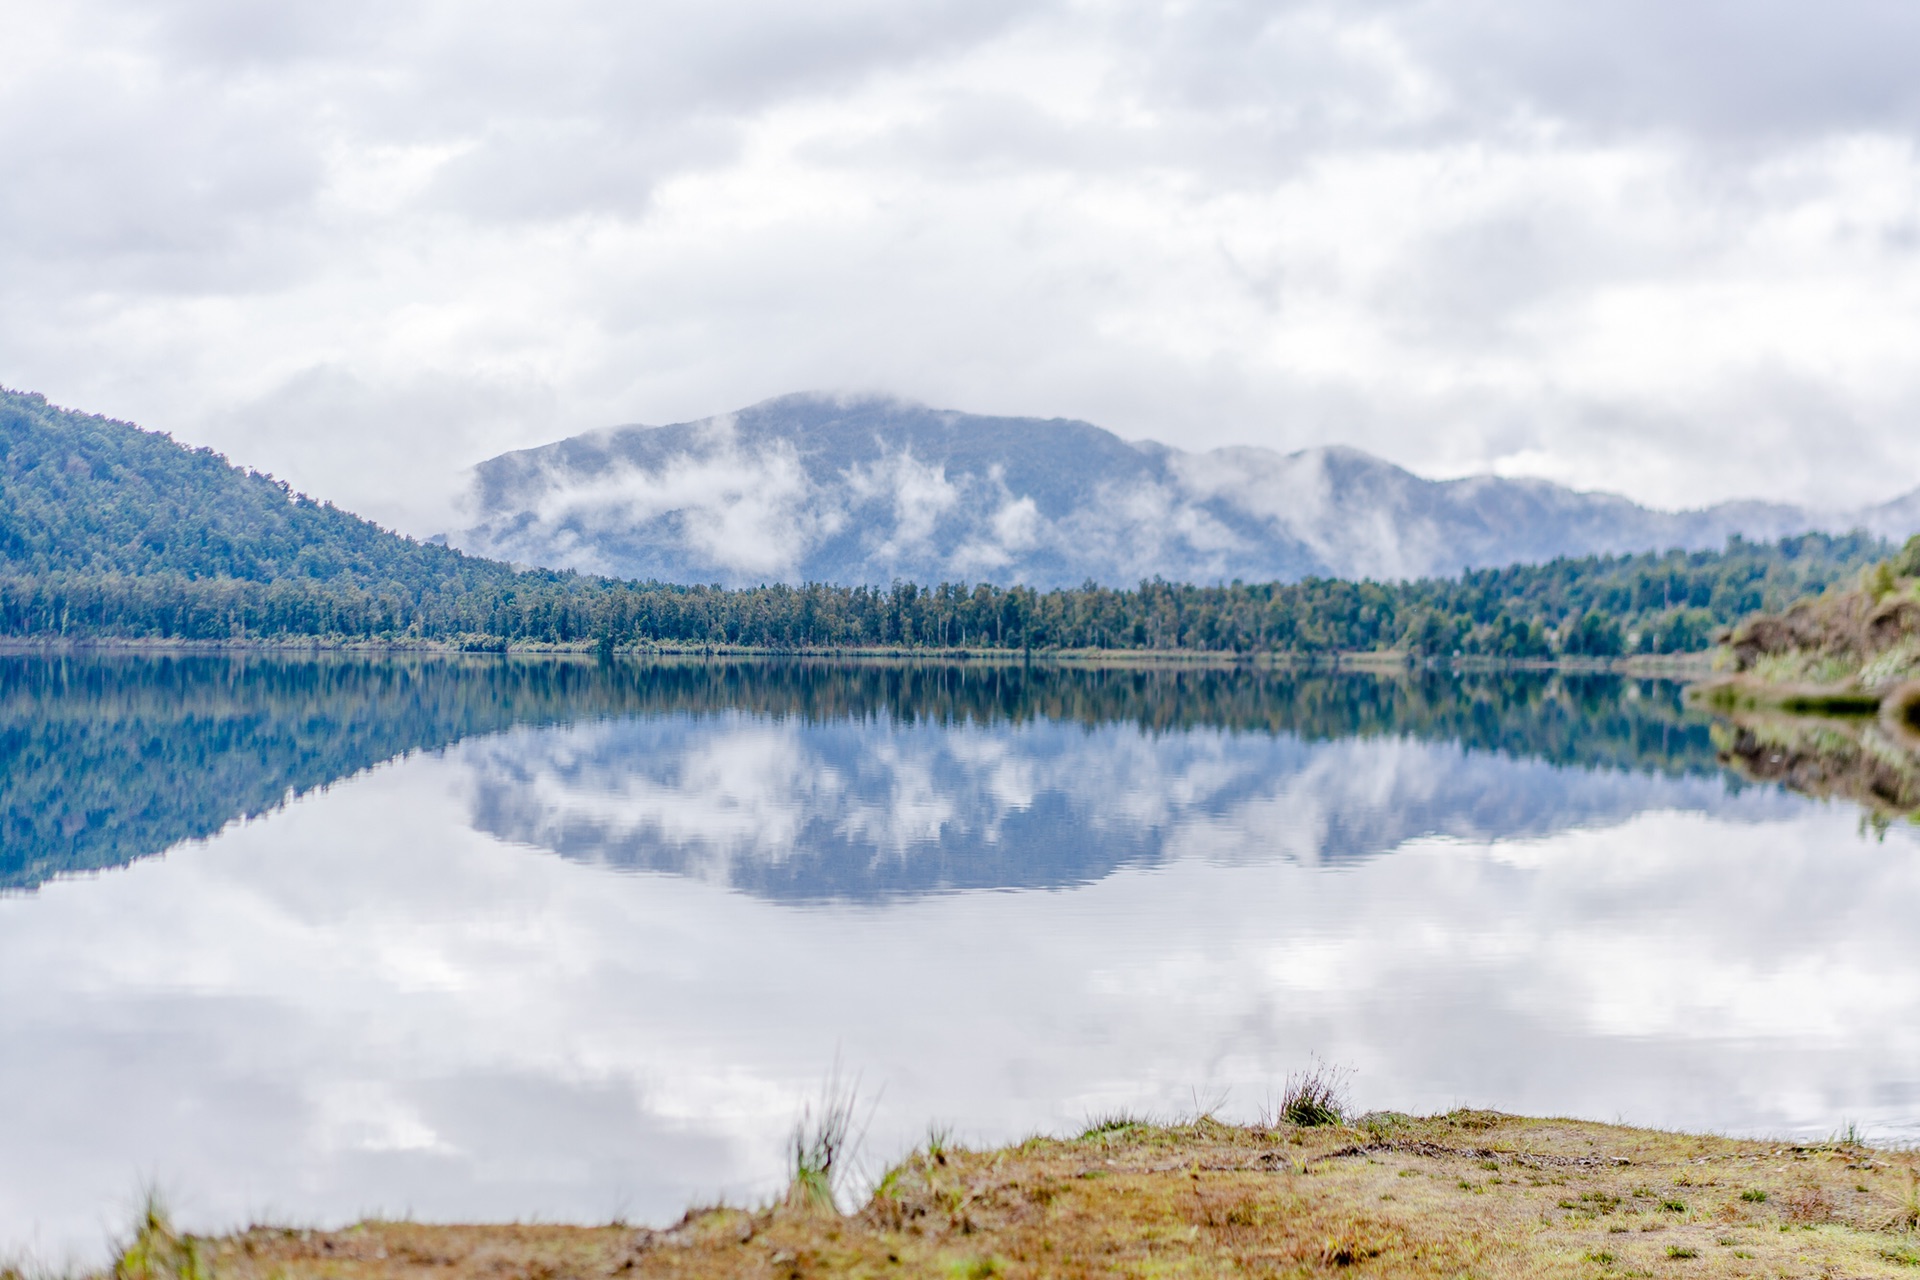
x,y
108,531
105,759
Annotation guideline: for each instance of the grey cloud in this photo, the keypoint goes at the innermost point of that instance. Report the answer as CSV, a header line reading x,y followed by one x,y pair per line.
x,y
555,106
537,171
482,58
226,37
1474,285
186,124
119,183
1409,225
1414,70
1722,70
402,443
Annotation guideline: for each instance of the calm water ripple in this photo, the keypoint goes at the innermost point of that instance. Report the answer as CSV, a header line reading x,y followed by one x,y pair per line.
x,y
311,938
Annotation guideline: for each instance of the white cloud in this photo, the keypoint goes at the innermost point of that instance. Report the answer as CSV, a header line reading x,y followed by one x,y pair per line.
x,y
753,511
919,494
1671,251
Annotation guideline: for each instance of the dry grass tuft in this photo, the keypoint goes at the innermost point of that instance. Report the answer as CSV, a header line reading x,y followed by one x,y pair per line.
x,y
1906,1204
821,1149
1311,1098
155,1251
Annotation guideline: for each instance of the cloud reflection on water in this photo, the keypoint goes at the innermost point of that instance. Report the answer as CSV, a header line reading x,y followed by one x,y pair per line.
x,y
866,810
380,998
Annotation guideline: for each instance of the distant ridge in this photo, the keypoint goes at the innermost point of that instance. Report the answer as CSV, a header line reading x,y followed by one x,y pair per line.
x,y
871,489
110,532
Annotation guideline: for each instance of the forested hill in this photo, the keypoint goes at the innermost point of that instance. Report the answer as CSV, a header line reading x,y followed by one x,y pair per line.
x,y
107,531
85,494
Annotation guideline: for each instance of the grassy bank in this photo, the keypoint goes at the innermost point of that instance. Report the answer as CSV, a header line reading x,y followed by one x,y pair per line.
x,y
1841,652
1464,1194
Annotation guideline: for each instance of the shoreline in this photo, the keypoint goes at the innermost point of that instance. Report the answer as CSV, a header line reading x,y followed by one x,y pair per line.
x,y
1385,1194
1690,666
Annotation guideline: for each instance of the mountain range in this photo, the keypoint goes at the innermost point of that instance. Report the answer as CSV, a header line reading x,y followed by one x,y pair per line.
x,y
870,489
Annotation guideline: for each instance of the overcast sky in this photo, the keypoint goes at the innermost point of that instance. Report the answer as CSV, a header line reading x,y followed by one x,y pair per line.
x,y
1667,247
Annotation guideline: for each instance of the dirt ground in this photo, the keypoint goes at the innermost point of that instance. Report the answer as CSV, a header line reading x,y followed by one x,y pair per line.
x,y
1466,1194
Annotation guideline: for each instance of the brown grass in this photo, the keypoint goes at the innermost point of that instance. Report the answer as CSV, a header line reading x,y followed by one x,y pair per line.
x,y
1834,653
1470,1193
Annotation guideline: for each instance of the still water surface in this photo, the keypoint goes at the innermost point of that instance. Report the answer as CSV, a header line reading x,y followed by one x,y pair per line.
x,y
308,939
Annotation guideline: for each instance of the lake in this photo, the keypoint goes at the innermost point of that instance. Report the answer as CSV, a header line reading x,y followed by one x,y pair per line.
x,y
307,938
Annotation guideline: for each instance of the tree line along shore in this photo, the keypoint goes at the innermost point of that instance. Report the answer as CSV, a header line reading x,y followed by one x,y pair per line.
x,y
1600,608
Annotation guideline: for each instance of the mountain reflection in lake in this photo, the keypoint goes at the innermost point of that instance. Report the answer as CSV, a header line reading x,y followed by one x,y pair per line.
x,y
862,810
498,938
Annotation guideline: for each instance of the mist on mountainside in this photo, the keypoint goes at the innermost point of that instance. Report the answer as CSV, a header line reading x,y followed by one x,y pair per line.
x,y
818,488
